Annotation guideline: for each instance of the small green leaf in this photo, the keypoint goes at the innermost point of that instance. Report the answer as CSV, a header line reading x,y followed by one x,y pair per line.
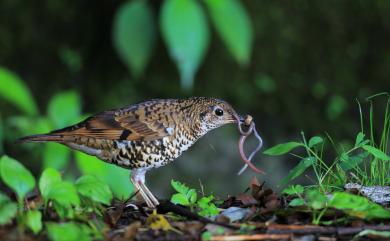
x,y
64,109
180,187
185,31
8,211
180,198
206,236
234,26
192,196
48,179
298,169
55,156
34,220
68,232
359,139
64,194
376,152
14,90
16,176
315,140
316,199
91,187
134,35
293,190
348,163
281,149
296,202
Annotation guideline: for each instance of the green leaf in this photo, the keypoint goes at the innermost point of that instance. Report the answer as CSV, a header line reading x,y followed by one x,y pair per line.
x,y
296,202
316,199
16,176
179,187
180,198
192,196
48,179
281,149
108,173
234,26
34,220
372,234
91,187
8,211
185,31
293,190
376,152
359,139
64,194
13,89
134,35
358,206
64,109
55,156
68,232
350,162
315,140
298,170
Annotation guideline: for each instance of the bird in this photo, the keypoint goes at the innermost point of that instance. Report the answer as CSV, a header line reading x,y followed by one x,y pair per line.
x,y
145,135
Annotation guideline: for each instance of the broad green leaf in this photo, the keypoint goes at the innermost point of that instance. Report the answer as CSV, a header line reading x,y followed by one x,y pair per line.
x,y
192,196
316,199
315,140
48,179
55,156
4,198
234,26
296,202
179,187
15,91
134,34
350,162
185,31
68,232
64,109
34,220
16,176
281,149
64,194
358,206
8,211
91,187
298,170
376,152
293,190
108,173
180,198
359,139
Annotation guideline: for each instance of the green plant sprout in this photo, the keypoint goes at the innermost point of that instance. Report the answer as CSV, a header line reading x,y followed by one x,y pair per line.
x,y
188,197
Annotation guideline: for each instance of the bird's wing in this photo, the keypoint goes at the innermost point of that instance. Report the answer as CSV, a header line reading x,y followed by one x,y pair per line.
x,y
137,122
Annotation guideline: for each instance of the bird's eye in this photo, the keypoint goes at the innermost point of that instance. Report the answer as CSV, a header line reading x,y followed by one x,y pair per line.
x,y
218,112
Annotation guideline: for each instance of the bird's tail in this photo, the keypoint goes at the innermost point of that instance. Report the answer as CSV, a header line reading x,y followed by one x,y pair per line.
x,y
41,138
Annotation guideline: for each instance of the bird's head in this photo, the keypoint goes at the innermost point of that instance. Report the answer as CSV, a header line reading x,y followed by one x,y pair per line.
x,y
211,113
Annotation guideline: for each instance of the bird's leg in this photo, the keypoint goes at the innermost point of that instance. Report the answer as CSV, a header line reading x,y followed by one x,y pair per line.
x,y
138,178
150,194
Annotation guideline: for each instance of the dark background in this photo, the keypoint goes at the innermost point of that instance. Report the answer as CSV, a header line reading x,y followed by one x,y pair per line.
x,y
311,60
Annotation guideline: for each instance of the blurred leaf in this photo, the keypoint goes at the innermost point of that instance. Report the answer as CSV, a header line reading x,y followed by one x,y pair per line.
x,y
376,152
336,106
316,199
16,176
1,135
70,231
350,162
208,209
64,194
180,198
64,109
293,190
13,89
34,220
233,25
296,202
265,84
71,58
134,35
359,139
192,196
158,222
281,149
55,156
91,187
315,140
8,211
48,179
358,206
298,170
372,234
185,31
319,90
108,173
180,187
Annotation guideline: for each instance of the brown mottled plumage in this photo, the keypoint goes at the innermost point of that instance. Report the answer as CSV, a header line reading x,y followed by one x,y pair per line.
x,y
144,135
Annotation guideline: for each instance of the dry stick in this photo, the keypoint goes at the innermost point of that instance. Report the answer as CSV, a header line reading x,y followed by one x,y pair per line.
x,y
311,229
252,237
